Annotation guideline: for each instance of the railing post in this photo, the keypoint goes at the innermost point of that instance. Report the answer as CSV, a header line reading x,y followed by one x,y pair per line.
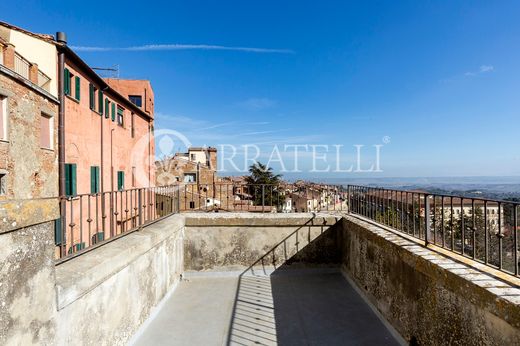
x,y
426,219
139,197
263,197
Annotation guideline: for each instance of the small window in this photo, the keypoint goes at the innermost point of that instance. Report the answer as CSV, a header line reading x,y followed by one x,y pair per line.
x,y
120,180
3,118
136,100
133,176
46,131
3,183
192,157
190,177
120,116
192,204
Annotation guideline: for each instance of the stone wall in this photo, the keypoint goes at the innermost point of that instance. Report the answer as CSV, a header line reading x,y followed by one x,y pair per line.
x,y
27,298
429,298
236,241
31,171
98,298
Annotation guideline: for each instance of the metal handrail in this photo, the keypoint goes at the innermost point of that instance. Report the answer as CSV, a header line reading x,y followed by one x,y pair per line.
x,y
484,230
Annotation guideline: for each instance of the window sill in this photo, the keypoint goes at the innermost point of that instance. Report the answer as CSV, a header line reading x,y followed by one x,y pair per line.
x,y
4,141
47,149
72,98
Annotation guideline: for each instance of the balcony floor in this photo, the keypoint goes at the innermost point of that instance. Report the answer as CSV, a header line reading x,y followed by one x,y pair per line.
x,y
285,308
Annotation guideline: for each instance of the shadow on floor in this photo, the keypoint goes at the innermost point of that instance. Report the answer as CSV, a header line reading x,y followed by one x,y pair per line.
x,y
282,300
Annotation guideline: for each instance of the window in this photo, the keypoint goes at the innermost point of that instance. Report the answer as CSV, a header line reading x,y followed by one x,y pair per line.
x,y
77,91
70,179
92,97
67,76
192,157
100,102
107,108
192,204
133,176
46,131
3,182
3,118
113,111
120,113
94,179
136,100
120,180
190,177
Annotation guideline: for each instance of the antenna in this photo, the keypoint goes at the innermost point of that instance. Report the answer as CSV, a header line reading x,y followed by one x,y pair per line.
x,y
108,72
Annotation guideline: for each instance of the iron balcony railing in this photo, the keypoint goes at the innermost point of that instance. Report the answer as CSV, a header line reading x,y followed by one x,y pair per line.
x,y
481,229
91,220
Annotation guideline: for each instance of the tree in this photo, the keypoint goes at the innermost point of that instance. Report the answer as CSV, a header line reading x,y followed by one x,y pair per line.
x,y
263,185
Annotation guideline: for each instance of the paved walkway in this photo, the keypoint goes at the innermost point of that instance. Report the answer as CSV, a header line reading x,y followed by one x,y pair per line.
x,y
285,308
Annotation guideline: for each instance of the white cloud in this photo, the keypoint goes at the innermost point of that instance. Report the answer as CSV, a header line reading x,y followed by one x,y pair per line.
x,y
256,104
175,46
482,69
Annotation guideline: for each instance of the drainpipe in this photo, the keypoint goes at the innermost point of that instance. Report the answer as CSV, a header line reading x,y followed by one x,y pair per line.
x,y
111,185
61,38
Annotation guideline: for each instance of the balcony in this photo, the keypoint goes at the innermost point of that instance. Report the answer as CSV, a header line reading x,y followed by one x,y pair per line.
x,y
335,277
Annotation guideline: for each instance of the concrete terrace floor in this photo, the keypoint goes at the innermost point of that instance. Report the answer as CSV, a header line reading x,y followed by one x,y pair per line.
x,y
285,308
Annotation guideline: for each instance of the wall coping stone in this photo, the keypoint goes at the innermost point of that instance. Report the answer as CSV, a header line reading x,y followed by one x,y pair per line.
x,y
259,219
80,275
19,213
499,292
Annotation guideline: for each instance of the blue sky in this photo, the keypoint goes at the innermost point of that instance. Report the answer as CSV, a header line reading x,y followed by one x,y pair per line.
x,y
437,80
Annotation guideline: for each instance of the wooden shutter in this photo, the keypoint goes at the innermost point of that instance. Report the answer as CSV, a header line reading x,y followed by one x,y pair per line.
x,y
100,101
113,111
92,98
120,180
107,110
94,179
78,88
66,82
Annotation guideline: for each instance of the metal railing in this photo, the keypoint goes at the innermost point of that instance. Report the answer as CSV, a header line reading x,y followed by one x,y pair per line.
x,y
44,81
262,198
91,220
481,229
21,66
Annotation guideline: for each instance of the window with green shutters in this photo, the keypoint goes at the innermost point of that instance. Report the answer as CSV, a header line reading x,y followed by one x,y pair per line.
x,y
107,108
94,179
66,81
120,180
92,96
77,84
70,179
113,111
120,115
100,102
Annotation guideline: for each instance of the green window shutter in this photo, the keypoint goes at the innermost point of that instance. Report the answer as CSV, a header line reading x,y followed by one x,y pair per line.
x,y
73,183
107,110
113,111
120,180
78,88
94,179
92,99
66,82
100,102
67,180
57,232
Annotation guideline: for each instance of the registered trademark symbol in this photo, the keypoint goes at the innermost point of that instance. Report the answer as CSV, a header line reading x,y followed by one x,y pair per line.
x,y
386,139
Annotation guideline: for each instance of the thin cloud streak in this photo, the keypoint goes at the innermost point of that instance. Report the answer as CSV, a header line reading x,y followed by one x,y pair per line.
x,y
175,46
